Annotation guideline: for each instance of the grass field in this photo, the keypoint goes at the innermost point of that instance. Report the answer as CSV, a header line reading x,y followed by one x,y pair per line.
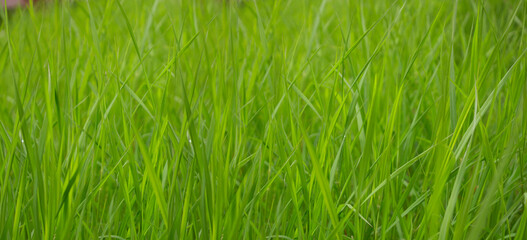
x,y
264,119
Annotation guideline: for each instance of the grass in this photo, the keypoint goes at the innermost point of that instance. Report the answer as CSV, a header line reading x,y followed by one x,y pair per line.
x,y
263,119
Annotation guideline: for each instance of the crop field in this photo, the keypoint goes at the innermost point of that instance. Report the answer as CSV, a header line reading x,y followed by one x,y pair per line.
x,y
263,119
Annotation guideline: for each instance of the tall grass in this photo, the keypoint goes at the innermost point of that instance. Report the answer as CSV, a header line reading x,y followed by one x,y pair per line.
x,y
260,119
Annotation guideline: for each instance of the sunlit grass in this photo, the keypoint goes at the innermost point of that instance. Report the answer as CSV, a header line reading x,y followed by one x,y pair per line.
x,y
277,119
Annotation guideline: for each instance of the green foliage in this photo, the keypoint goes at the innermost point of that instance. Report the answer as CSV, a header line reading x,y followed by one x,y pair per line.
x,y
264,119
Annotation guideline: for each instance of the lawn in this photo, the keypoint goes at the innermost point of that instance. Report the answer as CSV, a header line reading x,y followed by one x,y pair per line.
x,y
264,119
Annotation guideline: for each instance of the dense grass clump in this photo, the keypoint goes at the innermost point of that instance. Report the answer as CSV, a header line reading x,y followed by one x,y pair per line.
x,y
264,119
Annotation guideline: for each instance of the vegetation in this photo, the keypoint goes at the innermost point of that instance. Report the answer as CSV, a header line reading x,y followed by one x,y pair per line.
x,y
264,119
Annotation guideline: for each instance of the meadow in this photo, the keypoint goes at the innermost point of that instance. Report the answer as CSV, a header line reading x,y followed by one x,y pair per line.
x,y
264,119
